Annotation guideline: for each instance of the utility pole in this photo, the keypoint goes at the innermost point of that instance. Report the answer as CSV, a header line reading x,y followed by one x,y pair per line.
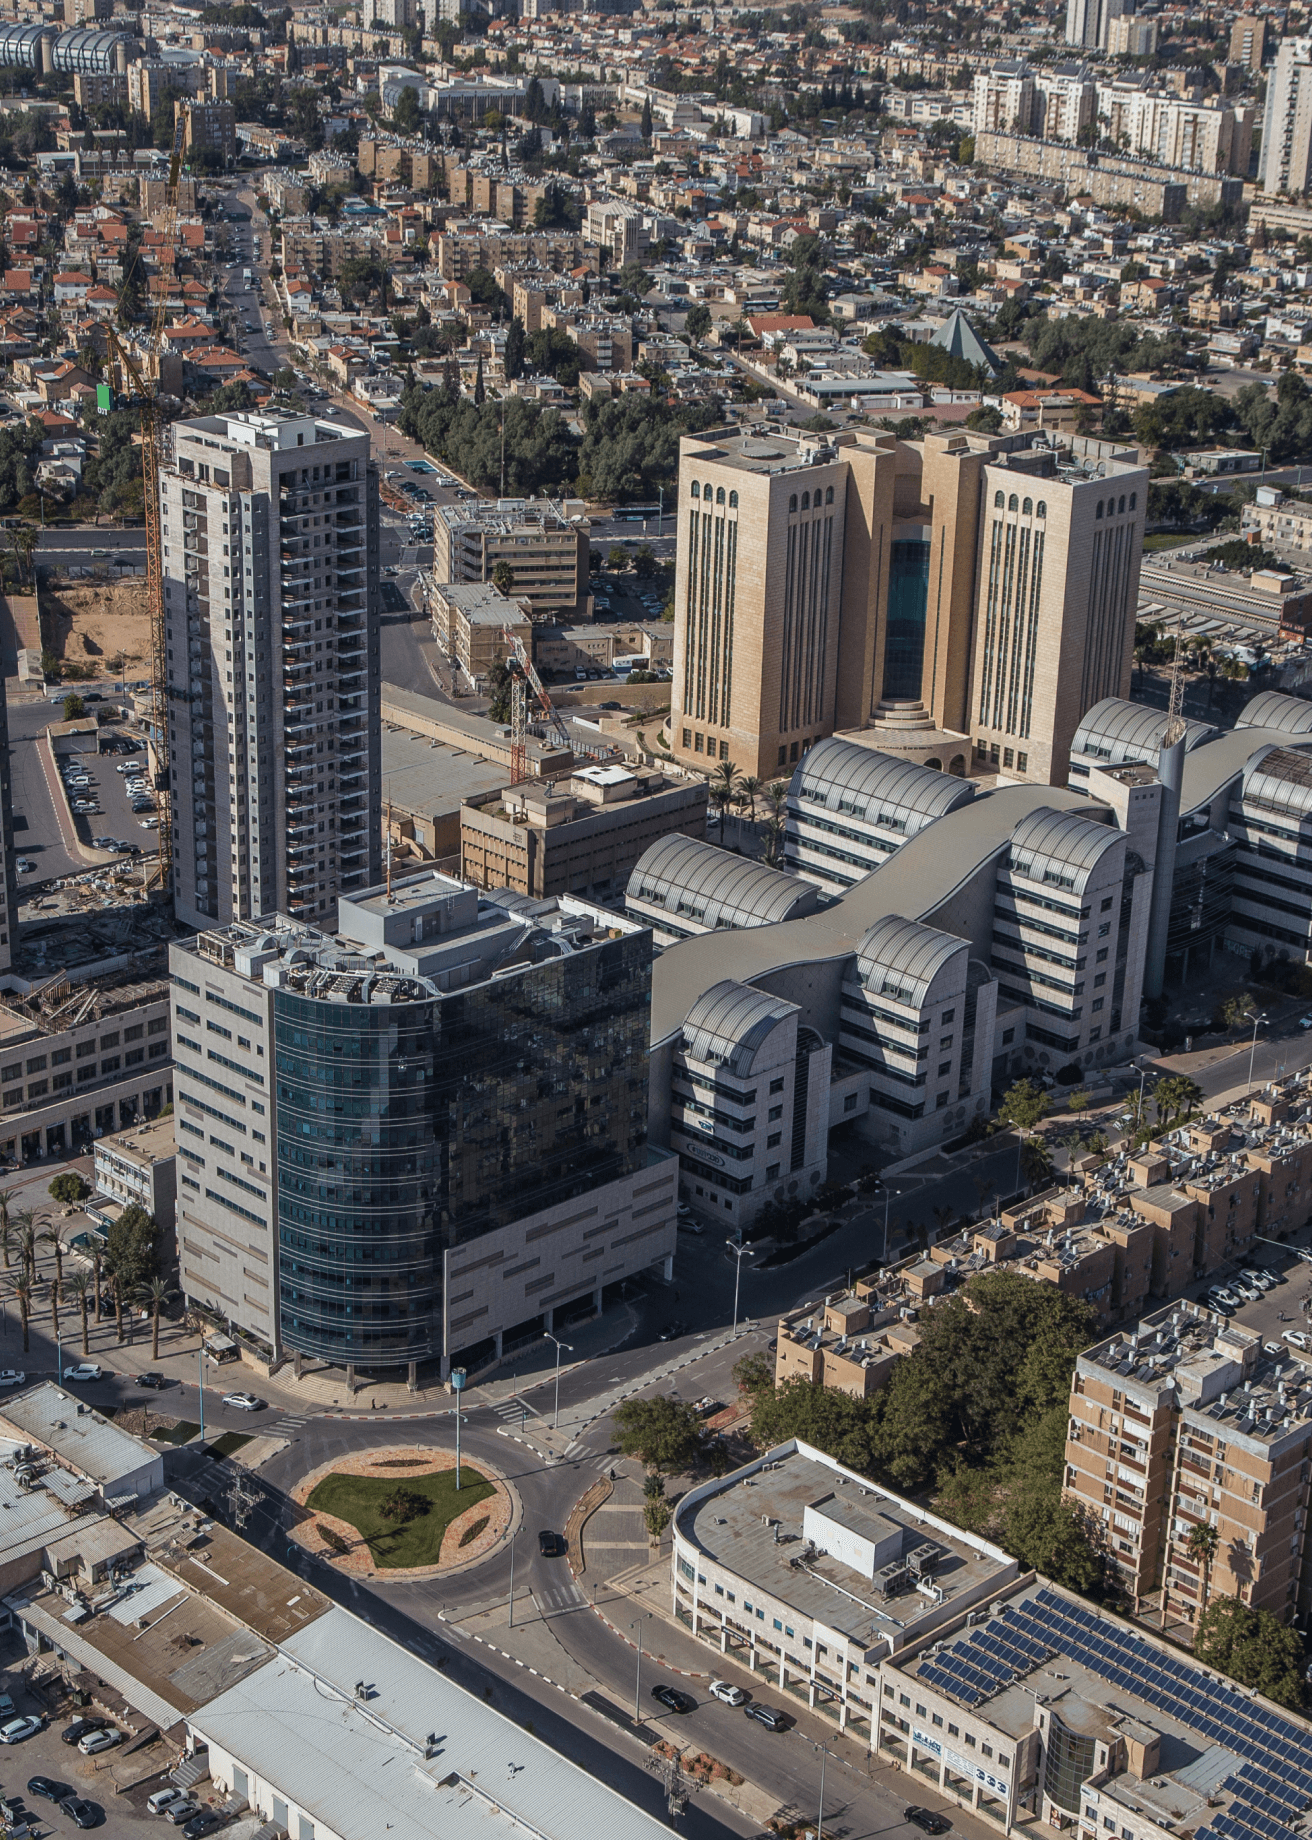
x,y
637,1679
738,1252
458,1383
1249,1016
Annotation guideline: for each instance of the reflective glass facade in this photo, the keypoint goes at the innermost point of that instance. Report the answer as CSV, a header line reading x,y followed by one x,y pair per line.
x,y
406,1128
908,597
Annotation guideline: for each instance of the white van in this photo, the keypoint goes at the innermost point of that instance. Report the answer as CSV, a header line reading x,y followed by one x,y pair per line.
x,y
164,1798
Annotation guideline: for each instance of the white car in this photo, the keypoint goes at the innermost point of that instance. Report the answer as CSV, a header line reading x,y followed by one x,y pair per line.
x,y
1297,1338
24,867
10,1376
726,1691
148,824
18,1729
1225,1296
165,1798
243,1402
85,1370
99,1741
1263,1279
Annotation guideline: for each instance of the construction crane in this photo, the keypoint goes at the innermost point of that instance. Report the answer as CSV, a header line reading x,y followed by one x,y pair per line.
x,y
559,732
146,386
1175,725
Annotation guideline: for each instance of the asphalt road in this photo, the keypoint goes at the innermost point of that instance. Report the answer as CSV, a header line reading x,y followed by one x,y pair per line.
x,y
79,548
37,835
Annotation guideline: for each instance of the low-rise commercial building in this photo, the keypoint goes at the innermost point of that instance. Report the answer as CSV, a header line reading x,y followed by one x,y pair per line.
x,y
470,621
543,543
581,836
139,1166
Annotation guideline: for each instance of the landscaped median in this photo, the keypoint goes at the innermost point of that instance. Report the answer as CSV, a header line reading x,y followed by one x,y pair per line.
x,y
396,1510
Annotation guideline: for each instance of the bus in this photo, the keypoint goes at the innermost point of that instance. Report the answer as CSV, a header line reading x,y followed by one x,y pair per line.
x,y
633,661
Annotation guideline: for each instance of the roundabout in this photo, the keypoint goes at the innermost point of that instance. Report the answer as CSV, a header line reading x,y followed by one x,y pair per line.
x,y
394,1512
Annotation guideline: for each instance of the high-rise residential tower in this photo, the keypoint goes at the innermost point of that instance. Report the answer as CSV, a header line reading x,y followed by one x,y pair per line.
x,y
270,531
1287,124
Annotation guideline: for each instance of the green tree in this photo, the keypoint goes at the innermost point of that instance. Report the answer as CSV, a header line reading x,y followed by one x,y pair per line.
x,y
645,562
1235,1012
985,420
646,118
697,323
753,1373
156,1293
1024,1105
665,1434
553,353
74,708
617,560
513,359
1201,1543
1252,1647
79,1285
843,1427
23,1292
407,116
500,679
503,578
132,1250
403,1505
68,1188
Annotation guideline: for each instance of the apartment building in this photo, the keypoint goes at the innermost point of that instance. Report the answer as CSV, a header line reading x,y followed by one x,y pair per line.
x,y
848,1345
1287,122
623,230
1187,1421
471,620
1005,99
270,532
471,1204
8,874
1067,100
543,542
582,835
138,1167
1089,22
1278,522
1190,133
78,1061
1248,40
1131,36
681,888
211,127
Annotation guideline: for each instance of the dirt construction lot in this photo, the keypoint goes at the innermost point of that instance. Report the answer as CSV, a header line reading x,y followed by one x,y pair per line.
x,y
96,623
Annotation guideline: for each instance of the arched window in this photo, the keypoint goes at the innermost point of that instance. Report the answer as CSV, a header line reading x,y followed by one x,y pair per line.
x,y
719,495
792,503
1028,507
733,501
1041,509
1121,507
998,501
806,501
1134,501
696,489
829,496
1013,503
1098,511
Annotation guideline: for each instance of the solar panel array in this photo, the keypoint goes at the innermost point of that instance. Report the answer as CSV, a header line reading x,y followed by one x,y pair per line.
x,y
1273,1785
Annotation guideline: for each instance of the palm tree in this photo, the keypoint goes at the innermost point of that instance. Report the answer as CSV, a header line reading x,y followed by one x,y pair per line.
x,y
724,783
749,790
26,1219
6,1225
97,1265
157,1293
79,1284
49,1236
54,1311
116,1284
1201,1543
23,1292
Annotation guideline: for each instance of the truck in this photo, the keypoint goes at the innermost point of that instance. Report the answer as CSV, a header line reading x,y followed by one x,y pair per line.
x,y
246,276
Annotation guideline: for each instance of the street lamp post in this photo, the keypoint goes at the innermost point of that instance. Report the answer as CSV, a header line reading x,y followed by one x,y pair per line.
x,y
458,1384
1249,1016
824,1758
511,1621
637,1679
555,1416
200,1388
737,1250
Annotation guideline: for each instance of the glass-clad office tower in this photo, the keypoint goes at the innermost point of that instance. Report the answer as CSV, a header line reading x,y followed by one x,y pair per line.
x,y
437,1118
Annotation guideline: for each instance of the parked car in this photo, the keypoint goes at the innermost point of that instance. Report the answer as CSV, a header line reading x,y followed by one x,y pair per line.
x,y
181,1812
769,1716
204,1823
47,1789
84,1371
243,1402
83,1813
1224,1296
155,1381
928,1819
24,867
1265,1279
726,1691
74,1733
165,1798
672,1699
17,1729
11,1376
96,1741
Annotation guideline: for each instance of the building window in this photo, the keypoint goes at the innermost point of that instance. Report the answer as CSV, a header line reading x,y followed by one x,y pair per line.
x,y
1121,506
1041,509
697,744
783,754
938,1720
687,737
792,503
998,501
724,750
1008,1036
1098,509
829,496
1134,501
806,501
696,489
1013,503
1028,507
733,501
1007,757
1022,763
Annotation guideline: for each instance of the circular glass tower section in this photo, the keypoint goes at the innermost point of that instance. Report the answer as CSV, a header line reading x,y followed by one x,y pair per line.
x,y
357,1164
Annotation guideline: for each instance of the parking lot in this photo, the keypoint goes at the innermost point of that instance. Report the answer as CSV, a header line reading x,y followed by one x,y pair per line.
x,y
1288,1305
125,1816
108,789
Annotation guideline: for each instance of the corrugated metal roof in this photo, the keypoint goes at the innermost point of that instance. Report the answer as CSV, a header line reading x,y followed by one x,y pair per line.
x,y
1116,730
87,1442
727,1025
1061,846
1289,715
1280,777
838,775
728,890
905,955
359,1767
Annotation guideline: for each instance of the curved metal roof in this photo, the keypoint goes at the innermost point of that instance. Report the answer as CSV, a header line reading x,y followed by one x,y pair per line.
x,y
727,1025
20,44
904,956
1060,846
1115,731
1292,715
86,47
731,890
835,771
1280,777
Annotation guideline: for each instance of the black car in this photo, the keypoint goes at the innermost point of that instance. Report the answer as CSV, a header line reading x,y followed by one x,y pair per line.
x,y
83,1814
672,1699
550,1545
156,1381
767,1716
672,1331
48,1789
79,1729
203,1823
927,1819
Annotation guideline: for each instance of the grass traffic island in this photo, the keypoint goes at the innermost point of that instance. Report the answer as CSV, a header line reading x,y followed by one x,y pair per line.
x,y
397,1511
402,1523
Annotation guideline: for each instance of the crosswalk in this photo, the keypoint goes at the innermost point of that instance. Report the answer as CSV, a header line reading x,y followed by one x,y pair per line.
x,y
511,1411
577,1452
290,1425
558,1598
